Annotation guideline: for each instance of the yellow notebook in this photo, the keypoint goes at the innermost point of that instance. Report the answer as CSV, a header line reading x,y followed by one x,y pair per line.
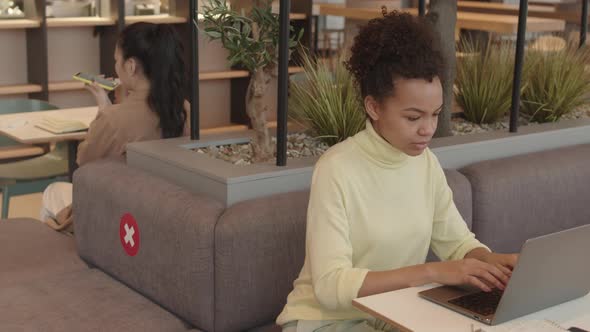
x,y
58,125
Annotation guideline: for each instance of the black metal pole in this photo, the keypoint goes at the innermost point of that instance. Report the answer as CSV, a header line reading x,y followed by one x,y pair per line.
x,y
316,33
421,7
194,70
282,101
584,23
121,15
520,41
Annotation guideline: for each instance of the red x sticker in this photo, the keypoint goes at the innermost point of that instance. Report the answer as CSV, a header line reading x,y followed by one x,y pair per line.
x,y
129,234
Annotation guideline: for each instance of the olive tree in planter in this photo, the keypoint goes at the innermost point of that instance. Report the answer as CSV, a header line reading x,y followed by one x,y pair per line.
x,y
252,42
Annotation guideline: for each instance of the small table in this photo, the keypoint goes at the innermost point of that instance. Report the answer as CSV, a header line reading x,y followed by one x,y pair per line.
x,y
21,128
502,24
406,310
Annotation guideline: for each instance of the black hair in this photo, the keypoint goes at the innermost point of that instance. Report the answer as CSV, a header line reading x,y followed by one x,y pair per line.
x,y
159,50
398,45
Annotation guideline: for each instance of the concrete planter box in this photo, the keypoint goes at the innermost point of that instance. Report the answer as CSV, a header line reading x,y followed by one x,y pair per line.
x,y
458,151
173,160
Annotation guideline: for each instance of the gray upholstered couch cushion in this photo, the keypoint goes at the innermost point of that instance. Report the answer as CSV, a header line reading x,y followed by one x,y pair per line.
x,y
259,251
29,250
85,300
174,264
529,195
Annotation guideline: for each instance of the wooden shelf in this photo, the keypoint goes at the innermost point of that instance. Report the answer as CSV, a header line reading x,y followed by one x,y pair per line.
x,y
66,86
223,75
20,151
295,70
207,76
18,23
162,18
79,22
297,16
292,17
19,89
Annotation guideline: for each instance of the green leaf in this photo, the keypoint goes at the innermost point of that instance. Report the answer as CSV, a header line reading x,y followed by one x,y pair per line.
x,y
300,35
213,34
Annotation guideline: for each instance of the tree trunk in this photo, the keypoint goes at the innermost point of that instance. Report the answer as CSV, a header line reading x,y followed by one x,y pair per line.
x,y
443,14
256,110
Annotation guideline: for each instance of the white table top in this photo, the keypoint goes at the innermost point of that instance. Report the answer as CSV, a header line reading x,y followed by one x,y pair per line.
x,y
405,309
21,126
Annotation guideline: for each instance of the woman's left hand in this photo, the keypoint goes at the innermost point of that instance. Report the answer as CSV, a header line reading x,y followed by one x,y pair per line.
x,y
504,262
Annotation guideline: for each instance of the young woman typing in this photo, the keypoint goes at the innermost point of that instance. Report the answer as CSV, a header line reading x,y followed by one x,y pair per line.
x,y
380,200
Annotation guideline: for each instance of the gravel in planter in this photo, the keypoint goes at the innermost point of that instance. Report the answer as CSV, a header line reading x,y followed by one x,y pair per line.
x,y
298,145
303,145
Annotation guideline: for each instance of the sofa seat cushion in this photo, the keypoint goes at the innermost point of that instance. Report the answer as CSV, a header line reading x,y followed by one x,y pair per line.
x,y
30,250
86,300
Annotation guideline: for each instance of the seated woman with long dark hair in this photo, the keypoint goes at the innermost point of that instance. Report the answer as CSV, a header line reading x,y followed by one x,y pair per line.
x,y
151,71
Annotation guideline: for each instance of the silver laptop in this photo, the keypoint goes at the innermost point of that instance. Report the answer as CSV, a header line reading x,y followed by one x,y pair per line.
x,y
551,269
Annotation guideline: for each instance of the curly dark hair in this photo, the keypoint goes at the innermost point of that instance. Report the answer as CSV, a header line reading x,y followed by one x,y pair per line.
x,y
159,50
398,45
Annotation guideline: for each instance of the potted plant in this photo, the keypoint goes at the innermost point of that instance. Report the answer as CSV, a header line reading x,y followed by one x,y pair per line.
x,y
484,81
252,42
326,101
558,84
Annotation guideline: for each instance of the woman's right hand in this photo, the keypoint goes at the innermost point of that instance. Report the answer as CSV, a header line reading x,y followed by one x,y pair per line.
x,y
469,271
101,96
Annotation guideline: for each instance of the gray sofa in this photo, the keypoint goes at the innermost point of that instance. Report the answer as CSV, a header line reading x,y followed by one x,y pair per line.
x,y
201,267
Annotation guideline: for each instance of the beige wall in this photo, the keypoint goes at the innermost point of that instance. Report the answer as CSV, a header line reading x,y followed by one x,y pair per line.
x,y
71,50
67,99
13,57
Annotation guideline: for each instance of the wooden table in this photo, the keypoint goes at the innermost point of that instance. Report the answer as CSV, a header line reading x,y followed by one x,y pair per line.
x,y
21,128
502,24
406,310
497,8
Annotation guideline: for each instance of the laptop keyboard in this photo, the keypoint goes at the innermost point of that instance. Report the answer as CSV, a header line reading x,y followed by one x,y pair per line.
x,y
482,303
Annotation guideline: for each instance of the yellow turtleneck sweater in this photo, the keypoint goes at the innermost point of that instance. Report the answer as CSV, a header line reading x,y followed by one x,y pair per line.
x,y
372,208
